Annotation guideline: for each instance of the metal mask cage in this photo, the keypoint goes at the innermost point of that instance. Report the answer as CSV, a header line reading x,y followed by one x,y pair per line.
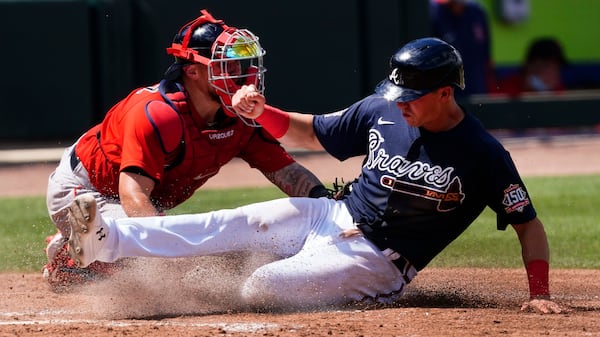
x,y
237,59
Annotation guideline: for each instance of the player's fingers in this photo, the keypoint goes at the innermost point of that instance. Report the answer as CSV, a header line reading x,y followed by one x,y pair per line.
x,y
240,101
526,307
248,106
555,308
548,306
247,89
541,307
253,99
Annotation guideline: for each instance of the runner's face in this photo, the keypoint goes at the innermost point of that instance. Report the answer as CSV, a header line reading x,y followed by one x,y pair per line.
x,y
422,111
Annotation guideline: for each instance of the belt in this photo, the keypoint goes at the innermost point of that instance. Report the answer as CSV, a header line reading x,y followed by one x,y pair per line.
x,y
74,159
404,266
401,263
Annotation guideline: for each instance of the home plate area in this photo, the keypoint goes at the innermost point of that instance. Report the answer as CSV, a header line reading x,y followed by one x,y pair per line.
x,y
439,302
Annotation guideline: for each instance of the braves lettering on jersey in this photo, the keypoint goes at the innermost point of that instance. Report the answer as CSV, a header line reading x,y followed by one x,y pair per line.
x,y
415,183
155,131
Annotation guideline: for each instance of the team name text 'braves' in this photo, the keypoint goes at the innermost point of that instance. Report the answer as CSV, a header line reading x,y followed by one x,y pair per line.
x,y
401,167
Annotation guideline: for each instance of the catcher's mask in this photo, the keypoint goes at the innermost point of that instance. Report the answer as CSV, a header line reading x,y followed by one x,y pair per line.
x,y
233,56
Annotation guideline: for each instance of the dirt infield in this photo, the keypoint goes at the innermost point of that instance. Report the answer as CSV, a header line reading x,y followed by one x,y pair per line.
x,y
439,302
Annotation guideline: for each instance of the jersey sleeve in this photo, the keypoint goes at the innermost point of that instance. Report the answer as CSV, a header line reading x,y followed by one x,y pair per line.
x,y
344,133
509,197
150,132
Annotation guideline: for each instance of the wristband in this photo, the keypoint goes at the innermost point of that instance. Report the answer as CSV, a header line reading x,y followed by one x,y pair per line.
x,y
537,275
274,120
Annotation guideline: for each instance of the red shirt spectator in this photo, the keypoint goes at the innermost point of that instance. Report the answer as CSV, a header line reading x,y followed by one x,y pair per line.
x,y
541,71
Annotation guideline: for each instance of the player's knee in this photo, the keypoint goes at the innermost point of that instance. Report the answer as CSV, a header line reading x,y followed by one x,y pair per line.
x,y
258,291
266,291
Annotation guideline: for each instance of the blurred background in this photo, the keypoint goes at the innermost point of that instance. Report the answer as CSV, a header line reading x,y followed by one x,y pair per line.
x,y
65,63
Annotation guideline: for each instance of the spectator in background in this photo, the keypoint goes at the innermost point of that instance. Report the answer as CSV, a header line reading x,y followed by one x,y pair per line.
x,y
464,24
541,71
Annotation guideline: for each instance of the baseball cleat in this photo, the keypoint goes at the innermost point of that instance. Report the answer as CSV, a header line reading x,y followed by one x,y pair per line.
x,y
62,274
55,245
88,232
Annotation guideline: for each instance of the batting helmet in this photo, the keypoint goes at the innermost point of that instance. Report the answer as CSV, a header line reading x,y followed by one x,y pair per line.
x,y
420,67
234,56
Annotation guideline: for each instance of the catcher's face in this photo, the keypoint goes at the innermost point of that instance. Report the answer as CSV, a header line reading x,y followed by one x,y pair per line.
x,y
226,69
236,60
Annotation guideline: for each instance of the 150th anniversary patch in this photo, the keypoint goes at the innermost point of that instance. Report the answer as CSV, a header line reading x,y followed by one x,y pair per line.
x,y
515,198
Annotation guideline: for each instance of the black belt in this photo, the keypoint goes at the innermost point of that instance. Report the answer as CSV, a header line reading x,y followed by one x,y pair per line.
x,y
396,258
400,262
74,159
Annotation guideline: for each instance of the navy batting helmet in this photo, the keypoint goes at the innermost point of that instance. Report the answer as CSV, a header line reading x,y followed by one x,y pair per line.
x,y
420,67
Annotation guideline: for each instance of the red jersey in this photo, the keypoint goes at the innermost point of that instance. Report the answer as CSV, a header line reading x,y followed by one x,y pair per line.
x,y
154,129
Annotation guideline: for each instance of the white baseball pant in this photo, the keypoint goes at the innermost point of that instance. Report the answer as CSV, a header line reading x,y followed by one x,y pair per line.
x,y
318,266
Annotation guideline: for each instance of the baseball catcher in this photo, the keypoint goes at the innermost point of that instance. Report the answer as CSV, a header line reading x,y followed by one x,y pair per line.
x,y
162,142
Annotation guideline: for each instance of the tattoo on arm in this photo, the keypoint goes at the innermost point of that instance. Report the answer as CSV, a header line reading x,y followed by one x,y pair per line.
x,y
294,180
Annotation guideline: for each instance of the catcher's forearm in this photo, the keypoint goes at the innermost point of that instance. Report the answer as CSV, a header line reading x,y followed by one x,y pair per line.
x,y
294,180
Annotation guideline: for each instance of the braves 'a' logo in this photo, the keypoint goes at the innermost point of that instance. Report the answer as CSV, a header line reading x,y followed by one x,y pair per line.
x,y
396,77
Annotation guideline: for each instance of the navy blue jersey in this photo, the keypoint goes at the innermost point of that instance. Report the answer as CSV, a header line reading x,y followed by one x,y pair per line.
x,y
419,190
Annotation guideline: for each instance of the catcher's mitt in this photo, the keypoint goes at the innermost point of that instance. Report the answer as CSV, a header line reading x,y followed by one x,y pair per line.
x,y
339,191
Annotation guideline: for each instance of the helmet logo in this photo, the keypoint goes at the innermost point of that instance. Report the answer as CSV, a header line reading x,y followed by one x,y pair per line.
x,y
396,77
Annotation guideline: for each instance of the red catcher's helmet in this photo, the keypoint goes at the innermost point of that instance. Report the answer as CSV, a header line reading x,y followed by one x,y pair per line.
x,y
233,56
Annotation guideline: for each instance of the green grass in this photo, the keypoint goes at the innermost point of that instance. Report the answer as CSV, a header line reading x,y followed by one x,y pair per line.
x,y
24,223
568,207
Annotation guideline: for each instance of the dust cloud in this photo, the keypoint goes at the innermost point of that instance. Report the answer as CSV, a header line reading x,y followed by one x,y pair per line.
x,y
170,287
